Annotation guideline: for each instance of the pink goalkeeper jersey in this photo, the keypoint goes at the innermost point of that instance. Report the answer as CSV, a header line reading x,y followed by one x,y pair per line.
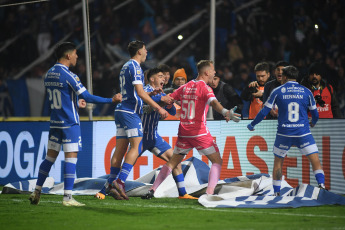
x,y
195,97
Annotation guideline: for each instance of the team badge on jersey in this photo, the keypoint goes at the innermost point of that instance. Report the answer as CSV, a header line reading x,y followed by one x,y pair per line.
x,y
210,90
138,71
283,90
77,78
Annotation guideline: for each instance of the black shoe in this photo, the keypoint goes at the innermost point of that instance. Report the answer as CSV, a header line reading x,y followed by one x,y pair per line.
x,y
322,186
149,195
276,194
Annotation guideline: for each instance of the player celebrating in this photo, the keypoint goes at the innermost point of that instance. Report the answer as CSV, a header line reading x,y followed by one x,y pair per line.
x,y
63,88
195,97
293,101
127,118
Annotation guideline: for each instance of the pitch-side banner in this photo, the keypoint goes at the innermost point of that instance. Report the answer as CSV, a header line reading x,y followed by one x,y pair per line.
x,y
243,152
23,146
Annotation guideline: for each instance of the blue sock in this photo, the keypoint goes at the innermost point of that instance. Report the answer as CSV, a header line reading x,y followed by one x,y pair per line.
x,y
320,176
44,171
69,176
126,169
112,176
276,185
179,179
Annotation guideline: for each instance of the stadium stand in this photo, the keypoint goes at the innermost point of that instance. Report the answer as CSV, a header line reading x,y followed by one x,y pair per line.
x,y
299,32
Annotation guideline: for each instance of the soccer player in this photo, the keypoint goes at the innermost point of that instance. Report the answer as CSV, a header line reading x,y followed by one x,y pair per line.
x,y
63,90
195,98
152,141
293,101
127,118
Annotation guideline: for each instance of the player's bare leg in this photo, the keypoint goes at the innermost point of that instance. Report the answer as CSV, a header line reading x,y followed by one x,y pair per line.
x,y
120,151
277,174
317,169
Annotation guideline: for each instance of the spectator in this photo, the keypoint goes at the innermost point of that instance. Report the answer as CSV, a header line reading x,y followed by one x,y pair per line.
x,y
180,78
326,102
255,90
278,71
226,95
234,50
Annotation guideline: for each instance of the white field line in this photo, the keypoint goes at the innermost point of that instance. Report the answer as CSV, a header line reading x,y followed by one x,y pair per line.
x,y
234,210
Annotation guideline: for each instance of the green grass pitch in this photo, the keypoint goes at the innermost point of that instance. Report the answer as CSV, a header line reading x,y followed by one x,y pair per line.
x,y
167,213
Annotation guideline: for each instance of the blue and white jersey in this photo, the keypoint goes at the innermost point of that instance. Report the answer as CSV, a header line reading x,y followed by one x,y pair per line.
x,y
293,101
131,74
63,88
150,118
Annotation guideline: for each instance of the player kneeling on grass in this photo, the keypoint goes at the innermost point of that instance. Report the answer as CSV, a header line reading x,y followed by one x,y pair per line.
x,y
63,88
152,141
195,97
293,101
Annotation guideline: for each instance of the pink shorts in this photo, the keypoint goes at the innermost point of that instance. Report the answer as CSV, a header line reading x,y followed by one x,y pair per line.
x,y
204,144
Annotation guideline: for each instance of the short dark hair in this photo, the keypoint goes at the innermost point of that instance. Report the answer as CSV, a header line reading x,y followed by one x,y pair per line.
x,y
281,63
203,63
164,68
262,66
63,48
134,46
290,72
152,72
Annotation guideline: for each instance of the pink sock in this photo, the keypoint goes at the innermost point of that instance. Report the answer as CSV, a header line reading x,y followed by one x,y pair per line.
x,y
213,178
164,173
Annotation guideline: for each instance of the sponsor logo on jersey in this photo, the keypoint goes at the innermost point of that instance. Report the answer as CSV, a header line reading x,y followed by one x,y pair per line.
x,y
292,125
192,97
57,122
53,75
66,140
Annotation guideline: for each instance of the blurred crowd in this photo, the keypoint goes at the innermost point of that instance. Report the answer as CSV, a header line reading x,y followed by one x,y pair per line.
x,y
299,32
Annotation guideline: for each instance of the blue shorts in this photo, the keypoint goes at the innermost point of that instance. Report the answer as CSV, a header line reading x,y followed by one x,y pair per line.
x,y
305,144
128,125
69,138
156,145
